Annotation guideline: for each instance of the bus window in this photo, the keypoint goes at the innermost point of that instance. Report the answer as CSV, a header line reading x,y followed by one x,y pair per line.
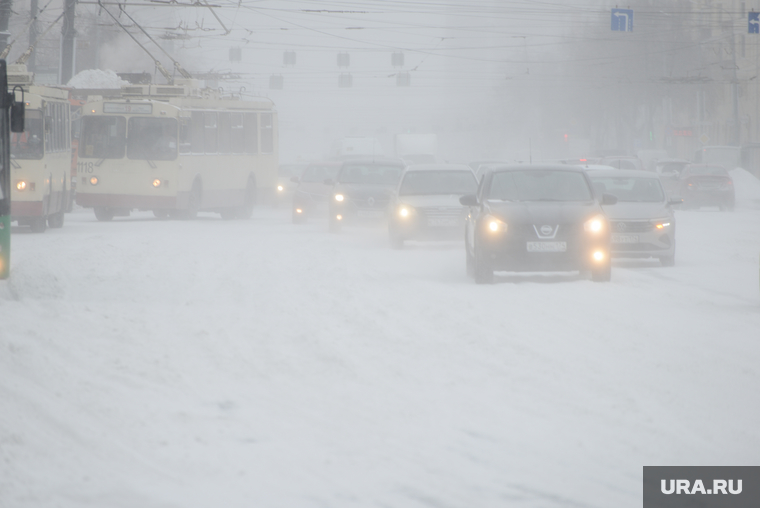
x,y
184,135
267,133
210,138
236,133
28,144
103,137
251,128
224,133
196,132
152,138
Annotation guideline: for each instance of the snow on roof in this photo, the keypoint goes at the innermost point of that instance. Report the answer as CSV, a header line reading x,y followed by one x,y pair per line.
x,y
96,78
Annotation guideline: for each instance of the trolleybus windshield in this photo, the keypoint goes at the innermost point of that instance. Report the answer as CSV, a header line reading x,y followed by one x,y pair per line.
x,y
103,137
152,138
29,144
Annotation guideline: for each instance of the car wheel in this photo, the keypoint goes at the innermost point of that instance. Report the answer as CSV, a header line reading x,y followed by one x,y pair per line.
x,y
161,214
103,214
396,240
469,263
482,270
228,213
299,218
55,220
334,225
668,260
602,273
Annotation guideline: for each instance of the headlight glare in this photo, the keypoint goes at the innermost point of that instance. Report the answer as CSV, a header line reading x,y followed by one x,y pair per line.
x,y
595,224
661,224
280,188
339,198
156,183
93,180
21,185
405,211
494,225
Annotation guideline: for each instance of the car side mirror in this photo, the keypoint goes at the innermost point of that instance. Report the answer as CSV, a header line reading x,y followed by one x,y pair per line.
x,y
469,200
17,117
295,179
609,199
675,202
329,181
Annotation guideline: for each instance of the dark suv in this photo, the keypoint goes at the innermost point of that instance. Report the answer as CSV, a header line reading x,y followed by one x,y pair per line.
x,y
361,191
536,218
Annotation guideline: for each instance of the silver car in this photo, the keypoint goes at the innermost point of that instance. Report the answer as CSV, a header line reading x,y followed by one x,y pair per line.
x,y
642,222
425,205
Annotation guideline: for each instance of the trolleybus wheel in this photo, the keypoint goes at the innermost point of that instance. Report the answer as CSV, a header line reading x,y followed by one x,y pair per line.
x,y
55,220
249,201
194,202
228,213
38,224
103,214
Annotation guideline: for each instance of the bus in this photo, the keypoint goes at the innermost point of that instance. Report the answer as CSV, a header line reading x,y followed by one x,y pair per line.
x,y
176,150
41,155
12,121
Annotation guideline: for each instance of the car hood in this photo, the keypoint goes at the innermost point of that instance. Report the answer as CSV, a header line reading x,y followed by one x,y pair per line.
x,y
361,191
419,201
543,212
626,210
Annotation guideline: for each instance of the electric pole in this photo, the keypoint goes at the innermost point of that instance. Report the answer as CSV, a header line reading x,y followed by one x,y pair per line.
x,y
67,44
5,16
31,63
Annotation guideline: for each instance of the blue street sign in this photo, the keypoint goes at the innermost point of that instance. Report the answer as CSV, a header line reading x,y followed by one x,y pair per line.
x,y
622,20
754,23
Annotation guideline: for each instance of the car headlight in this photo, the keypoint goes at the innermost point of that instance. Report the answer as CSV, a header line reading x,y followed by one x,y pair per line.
x,y
405,211
494,225
595,225
280,188
339,198
662,224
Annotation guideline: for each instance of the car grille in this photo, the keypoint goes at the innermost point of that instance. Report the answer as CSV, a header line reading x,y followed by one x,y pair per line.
x,y
377,203
630,226
440,212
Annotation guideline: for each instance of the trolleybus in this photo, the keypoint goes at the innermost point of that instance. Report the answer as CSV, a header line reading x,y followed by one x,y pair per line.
x,y
176,150
41,155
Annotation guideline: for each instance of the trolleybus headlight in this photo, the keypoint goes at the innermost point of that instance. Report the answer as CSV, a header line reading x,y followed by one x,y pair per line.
x,y
93,180
21,185
156,183
599,256
339,198
405,211
280,188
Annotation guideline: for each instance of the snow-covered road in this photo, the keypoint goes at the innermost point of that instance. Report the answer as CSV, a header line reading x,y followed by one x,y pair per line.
x,y
211,363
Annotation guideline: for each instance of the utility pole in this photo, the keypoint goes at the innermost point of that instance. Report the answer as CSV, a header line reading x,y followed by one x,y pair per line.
x,y
67,44
31,63
5,16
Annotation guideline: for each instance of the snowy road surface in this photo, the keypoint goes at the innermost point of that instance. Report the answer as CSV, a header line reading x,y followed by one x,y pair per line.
x,y
211,363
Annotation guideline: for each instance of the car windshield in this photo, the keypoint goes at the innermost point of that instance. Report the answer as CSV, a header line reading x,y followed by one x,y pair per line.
x,y
288,170
152,139
707,170
103,137
622,163
671,167
28,144
630,189
727,157
438,182
539,185
370,174
319,173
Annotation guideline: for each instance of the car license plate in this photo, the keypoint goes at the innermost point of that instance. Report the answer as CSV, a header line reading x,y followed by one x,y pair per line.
x,y
370,214
547,246
442,223
625,238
